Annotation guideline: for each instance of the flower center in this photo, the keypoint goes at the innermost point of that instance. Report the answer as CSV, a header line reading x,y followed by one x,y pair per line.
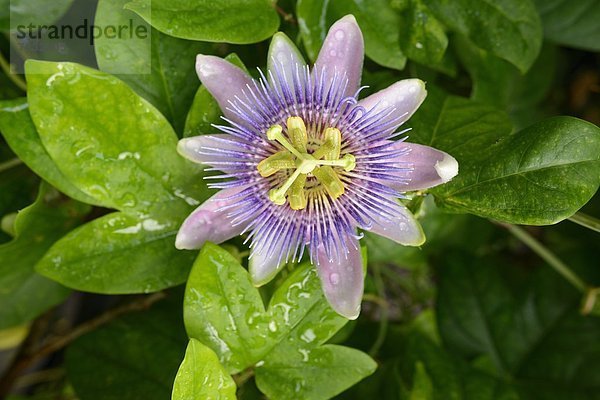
x,y
320,163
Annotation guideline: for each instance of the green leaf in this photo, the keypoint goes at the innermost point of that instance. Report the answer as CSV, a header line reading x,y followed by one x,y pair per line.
x,y
36,12
312,23
423,38
22,137
225,312
380,25
571,23
230,21
457,125
120,253
18,186
133,357
110,143
115,147
201,376
205,110
160,68
510,29
499,83
23,293
538,176
530,333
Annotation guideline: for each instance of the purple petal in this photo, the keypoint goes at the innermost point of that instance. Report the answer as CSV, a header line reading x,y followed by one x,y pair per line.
x,y
223,80
219,151
404,97
285,57
426,167
264,266
209,222
343,51
342,279
404,229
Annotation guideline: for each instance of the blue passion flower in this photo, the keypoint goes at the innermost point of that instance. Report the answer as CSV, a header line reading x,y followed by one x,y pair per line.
x,y
305,165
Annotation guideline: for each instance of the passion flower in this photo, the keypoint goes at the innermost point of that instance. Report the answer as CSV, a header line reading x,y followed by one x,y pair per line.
x,y
306,165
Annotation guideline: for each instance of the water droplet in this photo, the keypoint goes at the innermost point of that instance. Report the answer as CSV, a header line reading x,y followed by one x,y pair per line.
x,y
128,200
340,35
402,226
334,278
272,326
333,53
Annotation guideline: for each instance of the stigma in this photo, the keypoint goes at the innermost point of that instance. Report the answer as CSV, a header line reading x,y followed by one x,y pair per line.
x,y
304,162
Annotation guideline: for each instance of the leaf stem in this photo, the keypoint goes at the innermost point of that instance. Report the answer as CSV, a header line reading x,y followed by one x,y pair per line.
x,y
587,221
384,311
10,164
243,377
556,263
16,79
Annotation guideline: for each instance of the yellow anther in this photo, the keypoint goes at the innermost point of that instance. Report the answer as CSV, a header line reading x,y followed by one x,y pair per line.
x,y
297,195
330,181
297,133
320,163
278,161
276,133
332,145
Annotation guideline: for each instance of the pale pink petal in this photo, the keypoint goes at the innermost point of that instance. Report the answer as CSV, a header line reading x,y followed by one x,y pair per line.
x,y
403,97
221,151
342,278
223,80
209,222
265,264
426,167
284,57
343,52
403,229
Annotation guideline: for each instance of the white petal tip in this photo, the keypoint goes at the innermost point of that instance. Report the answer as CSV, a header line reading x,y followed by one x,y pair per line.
x,y
350,313
182,242
348,18
447,168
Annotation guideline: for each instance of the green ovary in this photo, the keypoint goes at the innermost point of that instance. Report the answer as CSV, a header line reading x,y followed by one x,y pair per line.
x,y
321,163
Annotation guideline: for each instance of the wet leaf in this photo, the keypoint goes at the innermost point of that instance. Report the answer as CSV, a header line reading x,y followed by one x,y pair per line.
x,y
109,142
225,312
22,137
125,158
201,376
230,21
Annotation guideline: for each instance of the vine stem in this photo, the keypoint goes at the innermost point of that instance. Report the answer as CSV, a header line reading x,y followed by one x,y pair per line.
x,y
384,310
4,64
556,263
10,164
31,352
587,221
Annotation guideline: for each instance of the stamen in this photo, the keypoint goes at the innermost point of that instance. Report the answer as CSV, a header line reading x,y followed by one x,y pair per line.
x,y
330,180
332,145
297,133
276,133
320,163
278,161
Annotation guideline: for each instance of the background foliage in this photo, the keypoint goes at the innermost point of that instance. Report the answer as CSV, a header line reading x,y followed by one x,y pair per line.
x,y
96,303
